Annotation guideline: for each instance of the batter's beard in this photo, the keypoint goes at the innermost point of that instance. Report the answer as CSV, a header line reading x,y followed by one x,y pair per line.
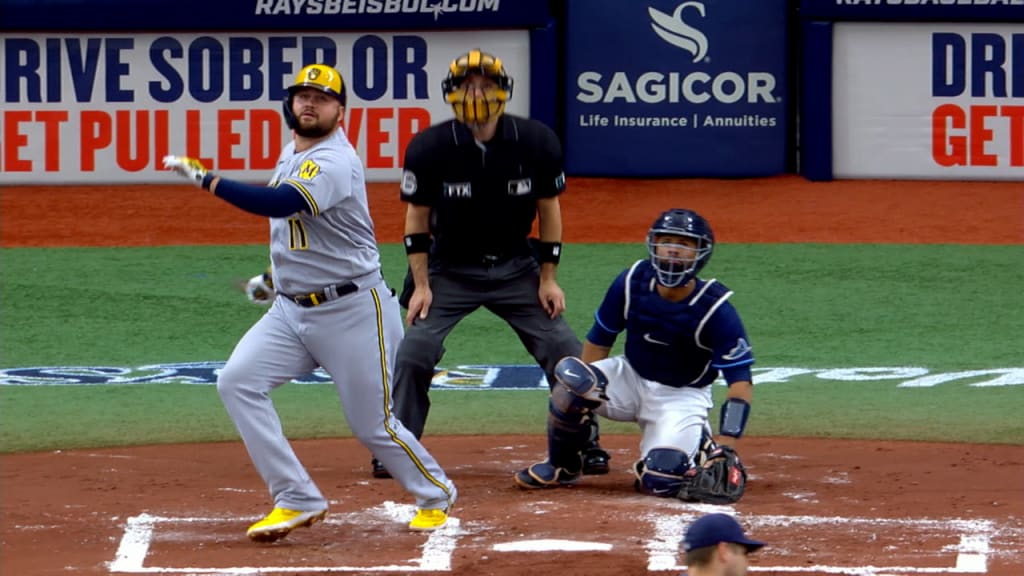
x,y
315,131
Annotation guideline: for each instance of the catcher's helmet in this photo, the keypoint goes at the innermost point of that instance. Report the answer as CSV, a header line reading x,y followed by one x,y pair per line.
x,y
688,224
468,108
318,76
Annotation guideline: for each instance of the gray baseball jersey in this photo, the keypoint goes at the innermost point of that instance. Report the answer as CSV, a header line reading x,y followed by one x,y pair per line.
x,y
348,322
334,240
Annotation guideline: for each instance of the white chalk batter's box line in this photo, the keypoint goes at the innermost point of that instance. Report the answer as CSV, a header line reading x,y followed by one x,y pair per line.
x,y
971,553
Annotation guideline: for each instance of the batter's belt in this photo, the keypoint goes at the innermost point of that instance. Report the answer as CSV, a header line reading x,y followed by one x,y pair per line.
x,y
328,293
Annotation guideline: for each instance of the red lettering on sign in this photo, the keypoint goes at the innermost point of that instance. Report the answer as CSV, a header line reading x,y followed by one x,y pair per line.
x,y
353,125
948,150
126,159
376,137
161,121
14,140
194,138
51,119
1015,114
411,121
96,134
264,128
981,135
227,138
960,137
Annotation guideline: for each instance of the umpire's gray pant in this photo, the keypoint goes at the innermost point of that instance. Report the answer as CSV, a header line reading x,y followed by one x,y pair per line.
x,y
509,290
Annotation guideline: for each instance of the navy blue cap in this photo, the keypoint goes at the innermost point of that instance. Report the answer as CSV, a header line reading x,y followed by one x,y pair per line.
x,y
711,529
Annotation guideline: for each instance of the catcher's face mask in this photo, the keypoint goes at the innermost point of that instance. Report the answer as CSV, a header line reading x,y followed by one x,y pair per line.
x,y
477,87
679,244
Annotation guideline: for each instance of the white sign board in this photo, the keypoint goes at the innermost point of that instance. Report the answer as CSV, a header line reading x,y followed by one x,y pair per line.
x,y
106,108
928,100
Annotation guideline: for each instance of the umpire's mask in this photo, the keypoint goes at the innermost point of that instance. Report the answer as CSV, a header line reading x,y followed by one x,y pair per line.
x,y
470,105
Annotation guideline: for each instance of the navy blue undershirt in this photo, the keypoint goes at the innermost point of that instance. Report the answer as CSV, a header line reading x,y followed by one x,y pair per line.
x,y
278,202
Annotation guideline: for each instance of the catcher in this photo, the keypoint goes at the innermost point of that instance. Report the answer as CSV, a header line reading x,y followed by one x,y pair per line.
x,y
681,333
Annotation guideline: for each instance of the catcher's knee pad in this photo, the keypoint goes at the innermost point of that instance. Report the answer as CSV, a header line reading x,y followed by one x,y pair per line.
x,y
579,388
662,472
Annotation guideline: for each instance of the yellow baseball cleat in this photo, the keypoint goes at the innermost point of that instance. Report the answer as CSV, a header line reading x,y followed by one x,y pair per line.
x,y
427,520
281,521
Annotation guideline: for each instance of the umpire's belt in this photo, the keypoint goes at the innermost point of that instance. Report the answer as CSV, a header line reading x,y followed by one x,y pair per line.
x,y
332,292
484,260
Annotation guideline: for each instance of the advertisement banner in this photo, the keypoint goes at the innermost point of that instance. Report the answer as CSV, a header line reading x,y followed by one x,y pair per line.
x,y
912,10
676,88
951,106
107,107
306,15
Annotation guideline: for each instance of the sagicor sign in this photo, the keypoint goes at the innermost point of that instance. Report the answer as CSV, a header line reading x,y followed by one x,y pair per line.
x,y
675,31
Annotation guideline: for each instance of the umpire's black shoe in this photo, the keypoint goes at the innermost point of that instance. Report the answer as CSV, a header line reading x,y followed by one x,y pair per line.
x,y
595,461
379,471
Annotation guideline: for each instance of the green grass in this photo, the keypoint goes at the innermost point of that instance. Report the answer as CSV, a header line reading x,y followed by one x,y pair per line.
x,y
944,307
64,418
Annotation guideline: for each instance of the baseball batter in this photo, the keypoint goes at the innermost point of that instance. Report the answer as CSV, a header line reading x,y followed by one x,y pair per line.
x,y
332,310
681,332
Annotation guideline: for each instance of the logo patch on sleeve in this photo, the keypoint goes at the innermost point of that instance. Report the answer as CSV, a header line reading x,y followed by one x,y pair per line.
x,y
560,182
741,350
520,187
309,170
408,183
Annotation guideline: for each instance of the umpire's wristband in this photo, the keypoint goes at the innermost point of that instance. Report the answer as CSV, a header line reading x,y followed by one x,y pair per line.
x,y
549,252
417,243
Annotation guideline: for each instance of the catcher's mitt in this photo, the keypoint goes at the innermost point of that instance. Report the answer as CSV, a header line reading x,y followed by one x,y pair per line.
x,y
721,480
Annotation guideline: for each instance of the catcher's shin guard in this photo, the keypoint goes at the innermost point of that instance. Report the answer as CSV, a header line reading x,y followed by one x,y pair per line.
x,y
579,390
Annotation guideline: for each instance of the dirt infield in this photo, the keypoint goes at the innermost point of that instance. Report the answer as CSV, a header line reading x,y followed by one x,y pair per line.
x,y
825,506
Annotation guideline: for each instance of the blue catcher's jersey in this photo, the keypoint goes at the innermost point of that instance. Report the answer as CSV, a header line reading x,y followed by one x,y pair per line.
x,y
677,344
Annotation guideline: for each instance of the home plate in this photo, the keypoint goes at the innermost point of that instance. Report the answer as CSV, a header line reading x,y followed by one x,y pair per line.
x,y
552,545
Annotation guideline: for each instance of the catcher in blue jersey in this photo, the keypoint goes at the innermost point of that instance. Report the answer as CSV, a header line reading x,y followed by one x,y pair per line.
x,y
681,333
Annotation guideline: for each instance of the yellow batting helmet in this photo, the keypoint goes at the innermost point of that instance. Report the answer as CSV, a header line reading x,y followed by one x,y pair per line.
x,y
319,76
468,108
